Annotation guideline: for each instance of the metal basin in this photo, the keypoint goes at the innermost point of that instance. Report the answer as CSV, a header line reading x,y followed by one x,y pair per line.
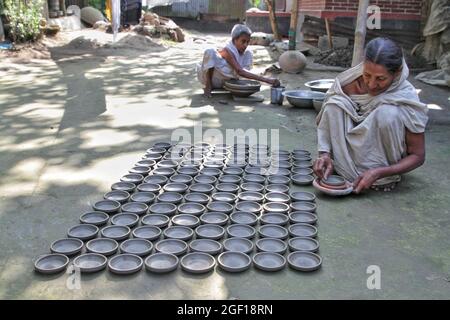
x,y
303,98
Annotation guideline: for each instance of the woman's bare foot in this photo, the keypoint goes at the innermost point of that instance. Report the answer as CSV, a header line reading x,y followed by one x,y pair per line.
x,y
385,187
207,92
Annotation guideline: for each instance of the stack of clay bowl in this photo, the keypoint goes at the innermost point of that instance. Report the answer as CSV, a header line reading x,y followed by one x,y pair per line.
x,y
242,88
334,185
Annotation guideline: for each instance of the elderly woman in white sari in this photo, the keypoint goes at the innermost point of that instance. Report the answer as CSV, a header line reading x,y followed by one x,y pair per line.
x,y
231,62
371,127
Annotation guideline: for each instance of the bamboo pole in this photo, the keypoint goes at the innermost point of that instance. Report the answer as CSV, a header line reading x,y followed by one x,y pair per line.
x,y
360,32
293,26
273,19
330,38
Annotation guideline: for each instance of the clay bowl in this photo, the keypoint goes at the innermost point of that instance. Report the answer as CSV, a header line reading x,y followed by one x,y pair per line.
x,y
217,218
103,246
201,187
241,231
237,163
168,209
243,84
185,220
125,264
68,247
302,217
156,179
255,170
281,188
276,207
302,180
133,178
273,231
300,152
176,187
302,230
302,164
197,262
171,246
271,245
278,179
278,173
248,206
97,218
229,178
254,178
247,218
220,206
202,178
224,197
233,171
238,245
125,219
83,232
124,186
197,197
149,187
181,178
233,261
90,262
208,246
302,171
107,206
269,261
187,170
331,187
277,197
140,170
161,262
274,218
298,157
304,261
146,163
117,195
167,164
169,198
252,186
178,233
167,172
210,164
210,231
117,233
303,206
142,197
156,220
211,172
303,196
333,191
147,232
51,263
303,244
251,196
138,208
195,209
139,247
227,187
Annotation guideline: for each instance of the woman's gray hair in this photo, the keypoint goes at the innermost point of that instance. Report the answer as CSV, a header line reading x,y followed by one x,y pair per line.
x,y
240,29
385,52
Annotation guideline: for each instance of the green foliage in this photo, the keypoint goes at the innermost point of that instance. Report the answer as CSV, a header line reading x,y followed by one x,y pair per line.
x,y
24,17
98,4
256,3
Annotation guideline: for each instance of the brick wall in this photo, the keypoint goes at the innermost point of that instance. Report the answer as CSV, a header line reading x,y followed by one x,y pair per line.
x,y
397,7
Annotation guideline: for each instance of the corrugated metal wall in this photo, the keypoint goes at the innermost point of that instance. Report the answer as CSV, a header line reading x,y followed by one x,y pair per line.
x,y
234,9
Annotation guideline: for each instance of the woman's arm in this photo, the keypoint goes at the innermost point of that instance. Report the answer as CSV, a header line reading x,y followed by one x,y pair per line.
x,y
243,73
415,148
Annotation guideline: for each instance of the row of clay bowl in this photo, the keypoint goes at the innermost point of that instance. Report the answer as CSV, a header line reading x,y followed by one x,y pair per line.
x,y
95,261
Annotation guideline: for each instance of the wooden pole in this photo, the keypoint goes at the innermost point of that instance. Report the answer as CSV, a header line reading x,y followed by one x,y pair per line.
x,y
330,38
360,32
293,27
273,19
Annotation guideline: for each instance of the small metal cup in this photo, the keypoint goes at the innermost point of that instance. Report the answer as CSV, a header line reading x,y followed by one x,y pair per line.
x,y
276,95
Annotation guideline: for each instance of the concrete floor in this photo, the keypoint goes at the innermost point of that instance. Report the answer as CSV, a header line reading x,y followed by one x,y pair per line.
x,y
73,125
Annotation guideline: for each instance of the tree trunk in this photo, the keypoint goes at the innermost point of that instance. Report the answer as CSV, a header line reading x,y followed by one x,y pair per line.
x,y
293,27
360,32
273,19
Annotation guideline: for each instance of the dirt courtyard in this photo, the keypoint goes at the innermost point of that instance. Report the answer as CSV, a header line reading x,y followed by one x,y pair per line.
x,y
76,117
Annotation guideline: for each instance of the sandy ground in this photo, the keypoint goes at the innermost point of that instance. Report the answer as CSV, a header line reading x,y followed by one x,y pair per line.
x,y
74,122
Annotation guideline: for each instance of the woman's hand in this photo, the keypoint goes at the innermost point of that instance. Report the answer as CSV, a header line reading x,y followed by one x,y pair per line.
x,y
274,82
323,166
366,180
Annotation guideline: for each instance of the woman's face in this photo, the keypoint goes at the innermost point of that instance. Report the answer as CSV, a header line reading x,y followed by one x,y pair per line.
x,y
241,43
377,78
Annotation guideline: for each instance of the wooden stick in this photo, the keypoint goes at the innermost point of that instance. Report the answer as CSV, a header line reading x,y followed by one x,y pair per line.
x,y
293,26
360,32
330,38
273,19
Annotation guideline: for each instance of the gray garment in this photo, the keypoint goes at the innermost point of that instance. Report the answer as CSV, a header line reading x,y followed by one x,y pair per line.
x,y
362,131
